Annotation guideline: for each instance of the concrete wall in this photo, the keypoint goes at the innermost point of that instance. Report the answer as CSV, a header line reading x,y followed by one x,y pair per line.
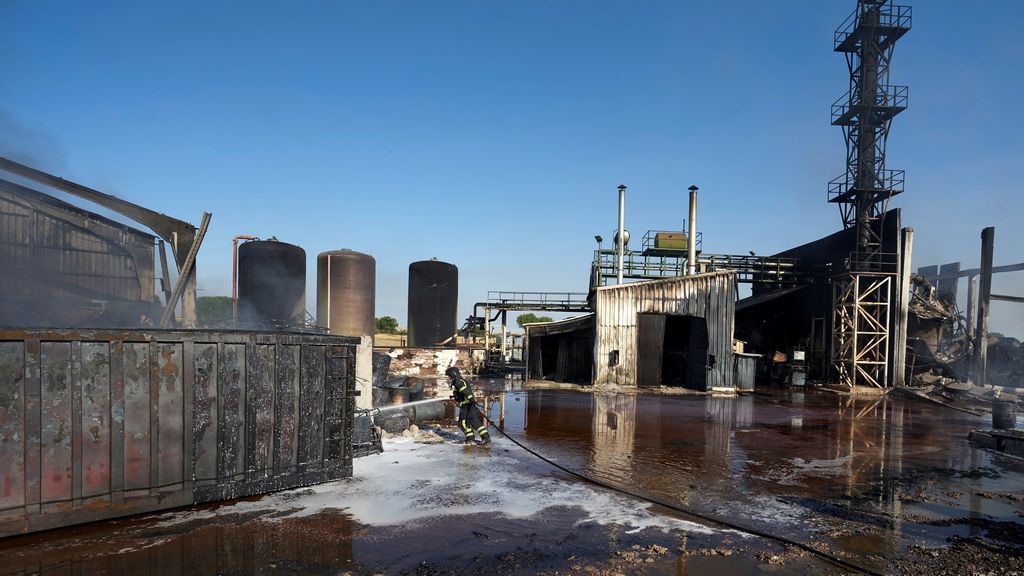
x,y
710,296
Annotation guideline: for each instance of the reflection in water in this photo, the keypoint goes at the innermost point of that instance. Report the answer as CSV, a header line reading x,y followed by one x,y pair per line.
x,y
849,472
768,460
317,544
614,426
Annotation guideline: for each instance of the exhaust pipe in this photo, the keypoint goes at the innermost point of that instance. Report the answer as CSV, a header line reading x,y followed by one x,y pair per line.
x,y
691,243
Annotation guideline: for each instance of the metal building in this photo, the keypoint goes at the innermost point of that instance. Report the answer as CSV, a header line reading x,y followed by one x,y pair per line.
x,y
674,332
65,266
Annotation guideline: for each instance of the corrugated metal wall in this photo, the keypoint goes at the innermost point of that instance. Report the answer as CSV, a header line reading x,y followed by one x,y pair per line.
x,y
575,346
710,296
55,254
95,425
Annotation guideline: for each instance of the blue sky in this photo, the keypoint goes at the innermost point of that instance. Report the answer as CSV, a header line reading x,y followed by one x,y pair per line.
x,y
492,134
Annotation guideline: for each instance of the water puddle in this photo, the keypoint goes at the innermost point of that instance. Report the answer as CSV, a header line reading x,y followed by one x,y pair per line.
x,y
889,484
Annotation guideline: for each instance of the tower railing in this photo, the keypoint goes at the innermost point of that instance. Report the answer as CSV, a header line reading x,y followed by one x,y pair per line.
x,y
889,101
886,183
893,21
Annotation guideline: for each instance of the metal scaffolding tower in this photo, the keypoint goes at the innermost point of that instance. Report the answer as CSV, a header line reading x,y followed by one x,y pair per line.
x,y
861,312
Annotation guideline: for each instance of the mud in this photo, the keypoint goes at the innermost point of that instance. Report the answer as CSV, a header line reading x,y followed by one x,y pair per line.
x,y
889,484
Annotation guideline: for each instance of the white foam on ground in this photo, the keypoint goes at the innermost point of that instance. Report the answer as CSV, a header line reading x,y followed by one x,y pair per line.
x,y
411,482
818,467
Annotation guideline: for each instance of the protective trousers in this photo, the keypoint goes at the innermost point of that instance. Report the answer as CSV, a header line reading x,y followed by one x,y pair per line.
x,y
472,423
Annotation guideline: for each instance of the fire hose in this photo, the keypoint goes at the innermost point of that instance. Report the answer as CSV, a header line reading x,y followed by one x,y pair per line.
x,y
830,558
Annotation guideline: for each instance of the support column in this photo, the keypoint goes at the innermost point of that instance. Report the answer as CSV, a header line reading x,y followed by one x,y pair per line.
x,y
364,372
903,301
504,334
487,331
972,304
988,237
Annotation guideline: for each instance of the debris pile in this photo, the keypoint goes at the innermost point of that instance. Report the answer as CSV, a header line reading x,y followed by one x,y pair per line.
x,y
940,349
1005,361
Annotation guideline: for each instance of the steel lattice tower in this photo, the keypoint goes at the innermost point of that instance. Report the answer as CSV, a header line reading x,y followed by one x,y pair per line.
x,y
867,38
861,312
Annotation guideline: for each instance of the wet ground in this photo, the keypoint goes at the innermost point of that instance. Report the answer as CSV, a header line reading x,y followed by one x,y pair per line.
x,y
891,485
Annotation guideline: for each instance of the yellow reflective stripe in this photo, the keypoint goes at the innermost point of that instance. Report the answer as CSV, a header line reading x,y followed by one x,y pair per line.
x,y
482,429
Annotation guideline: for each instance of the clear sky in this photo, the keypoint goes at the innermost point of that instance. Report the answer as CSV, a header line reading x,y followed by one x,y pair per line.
x,y
492,134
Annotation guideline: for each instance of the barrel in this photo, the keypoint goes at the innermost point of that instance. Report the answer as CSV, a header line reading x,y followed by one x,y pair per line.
x,y
424,412
1004,414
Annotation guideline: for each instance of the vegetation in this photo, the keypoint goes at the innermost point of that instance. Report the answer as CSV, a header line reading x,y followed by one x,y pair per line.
x,y
387,325
531,318
213,311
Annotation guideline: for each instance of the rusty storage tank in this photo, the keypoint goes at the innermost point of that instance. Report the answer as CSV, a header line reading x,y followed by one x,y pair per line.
x,y
433,302
346,292
271,285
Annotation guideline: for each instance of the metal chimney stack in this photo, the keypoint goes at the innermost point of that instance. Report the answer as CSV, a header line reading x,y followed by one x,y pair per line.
x,y
691,242
620,238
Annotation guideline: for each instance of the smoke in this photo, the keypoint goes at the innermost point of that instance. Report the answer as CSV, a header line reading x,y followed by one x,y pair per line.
x,y
31,146
41,289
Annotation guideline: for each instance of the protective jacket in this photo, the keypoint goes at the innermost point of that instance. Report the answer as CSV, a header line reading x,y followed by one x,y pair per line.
x,y
463,392
470,418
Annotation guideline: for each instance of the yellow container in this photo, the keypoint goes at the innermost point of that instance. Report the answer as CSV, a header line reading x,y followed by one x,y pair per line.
x,y
670,241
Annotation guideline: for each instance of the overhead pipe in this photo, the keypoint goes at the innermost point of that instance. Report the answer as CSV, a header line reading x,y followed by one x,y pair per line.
x,y
234,273
620,237
691,242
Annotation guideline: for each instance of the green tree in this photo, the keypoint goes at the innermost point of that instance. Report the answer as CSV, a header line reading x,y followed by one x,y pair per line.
x,y
213,311
531,318
386,325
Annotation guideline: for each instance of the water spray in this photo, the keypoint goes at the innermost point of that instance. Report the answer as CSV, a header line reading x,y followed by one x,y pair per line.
x,y
409,404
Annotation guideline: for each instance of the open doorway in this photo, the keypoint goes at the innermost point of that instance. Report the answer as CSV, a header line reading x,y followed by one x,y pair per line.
x,y
672,351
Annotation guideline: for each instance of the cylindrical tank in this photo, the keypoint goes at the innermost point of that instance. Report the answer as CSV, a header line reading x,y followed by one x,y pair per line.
x,y
433,302
346,284
271,284
1004,414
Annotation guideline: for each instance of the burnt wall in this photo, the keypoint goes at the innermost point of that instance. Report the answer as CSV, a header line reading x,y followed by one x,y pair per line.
x,y
96,425
64,266
782,323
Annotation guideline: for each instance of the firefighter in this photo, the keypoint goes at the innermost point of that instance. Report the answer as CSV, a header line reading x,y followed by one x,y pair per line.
x,y
470,418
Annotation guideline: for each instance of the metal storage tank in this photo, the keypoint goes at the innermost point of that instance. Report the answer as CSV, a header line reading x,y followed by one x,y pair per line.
x,y
346,292
271,284
433,302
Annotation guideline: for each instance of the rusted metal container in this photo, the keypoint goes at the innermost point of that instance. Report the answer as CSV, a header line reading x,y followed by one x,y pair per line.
x,y
746,371
433,303
271,285
96,425
346,292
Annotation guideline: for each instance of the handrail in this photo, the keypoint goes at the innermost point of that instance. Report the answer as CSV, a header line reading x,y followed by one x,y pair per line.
x,y
892,16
